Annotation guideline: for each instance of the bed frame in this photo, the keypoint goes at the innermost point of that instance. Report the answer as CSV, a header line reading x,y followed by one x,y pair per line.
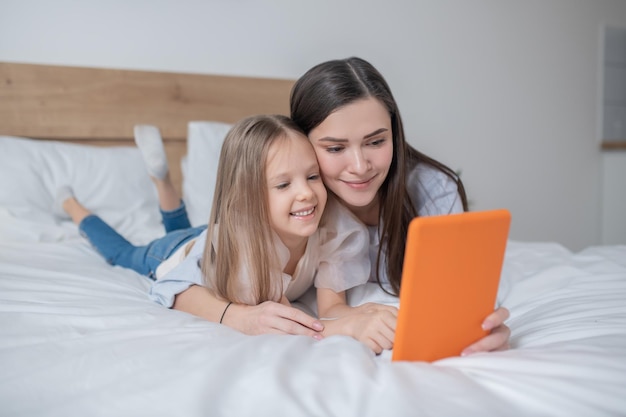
x,y
100,106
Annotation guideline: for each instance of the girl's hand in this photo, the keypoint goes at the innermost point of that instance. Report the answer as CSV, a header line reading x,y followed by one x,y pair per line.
x,y
497,339
268,317
272,317
372,324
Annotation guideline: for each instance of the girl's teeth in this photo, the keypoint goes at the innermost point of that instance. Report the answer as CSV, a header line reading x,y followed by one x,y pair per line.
x,y
303,213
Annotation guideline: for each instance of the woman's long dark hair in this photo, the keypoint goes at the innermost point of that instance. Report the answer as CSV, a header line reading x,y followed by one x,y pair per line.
x,y
333,84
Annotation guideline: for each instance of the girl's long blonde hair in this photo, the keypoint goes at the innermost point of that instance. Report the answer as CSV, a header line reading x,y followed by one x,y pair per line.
x,y
243,247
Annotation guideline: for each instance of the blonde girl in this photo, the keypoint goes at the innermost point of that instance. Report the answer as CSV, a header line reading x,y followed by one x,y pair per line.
x,y
272,234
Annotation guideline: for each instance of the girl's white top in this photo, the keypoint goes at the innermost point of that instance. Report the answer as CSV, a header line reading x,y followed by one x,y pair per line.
x,y
336,257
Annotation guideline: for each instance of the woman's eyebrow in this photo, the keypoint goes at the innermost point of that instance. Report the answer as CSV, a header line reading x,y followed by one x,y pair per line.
x,y
331,139
340,140
376,132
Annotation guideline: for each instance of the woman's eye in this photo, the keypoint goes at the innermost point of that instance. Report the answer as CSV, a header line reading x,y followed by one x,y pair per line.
x,y
377,142
334,149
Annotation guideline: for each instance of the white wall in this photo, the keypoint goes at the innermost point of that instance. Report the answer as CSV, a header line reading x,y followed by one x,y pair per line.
x,y
507,91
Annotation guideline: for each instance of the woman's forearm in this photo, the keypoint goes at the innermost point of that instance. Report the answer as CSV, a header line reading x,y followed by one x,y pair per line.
x,y
331,305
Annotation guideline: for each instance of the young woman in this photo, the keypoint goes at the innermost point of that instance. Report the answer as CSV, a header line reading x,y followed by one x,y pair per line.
x,y
350,116
272,233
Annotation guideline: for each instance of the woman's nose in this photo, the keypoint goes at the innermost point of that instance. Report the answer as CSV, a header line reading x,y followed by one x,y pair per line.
x,y
359,163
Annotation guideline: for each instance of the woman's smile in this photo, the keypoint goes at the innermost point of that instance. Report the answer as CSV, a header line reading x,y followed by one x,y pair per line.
x,y
359,184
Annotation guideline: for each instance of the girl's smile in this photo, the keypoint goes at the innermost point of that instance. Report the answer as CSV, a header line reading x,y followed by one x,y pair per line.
x,y
304,213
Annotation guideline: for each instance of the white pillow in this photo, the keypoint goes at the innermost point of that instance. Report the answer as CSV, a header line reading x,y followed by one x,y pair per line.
x,y
112,182
204,144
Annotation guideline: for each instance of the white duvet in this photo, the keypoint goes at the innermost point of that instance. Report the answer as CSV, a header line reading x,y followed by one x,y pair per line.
x,y
81,338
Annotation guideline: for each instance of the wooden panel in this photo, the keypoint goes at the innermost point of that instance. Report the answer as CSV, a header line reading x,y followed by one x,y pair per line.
x,y
101,106
45,101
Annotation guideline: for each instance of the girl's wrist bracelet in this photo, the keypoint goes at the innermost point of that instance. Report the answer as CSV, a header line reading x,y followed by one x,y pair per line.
x,y
226,308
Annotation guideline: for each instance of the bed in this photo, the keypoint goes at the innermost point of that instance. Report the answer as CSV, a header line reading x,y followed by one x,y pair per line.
x,y
79,337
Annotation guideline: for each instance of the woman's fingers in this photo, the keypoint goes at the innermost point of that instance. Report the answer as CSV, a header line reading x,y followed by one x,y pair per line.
x,y
498,339
373,345
371,308
496,318
501,335
375,328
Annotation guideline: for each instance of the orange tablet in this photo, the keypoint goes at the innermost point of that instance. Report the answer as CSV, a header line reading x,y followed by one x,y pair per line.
x,y
450,278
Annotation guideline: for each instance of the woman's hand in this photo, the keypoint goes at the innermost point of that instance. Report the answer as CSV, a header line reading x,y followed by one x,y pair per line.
x,y
372,324
497,339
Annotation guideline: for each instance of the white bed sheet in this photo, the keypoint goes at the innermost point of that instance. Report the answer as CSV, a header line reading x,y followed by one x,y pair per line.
x,y
81,338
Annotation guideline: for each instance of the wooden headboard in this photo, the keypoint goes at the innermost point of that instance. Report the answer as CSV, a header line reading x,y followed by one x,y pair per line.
x,y
100,106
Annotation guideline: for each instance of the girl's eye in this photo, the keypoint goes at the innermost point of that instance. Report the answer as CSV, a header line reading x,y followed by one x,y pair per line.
x,y
282,186
314,177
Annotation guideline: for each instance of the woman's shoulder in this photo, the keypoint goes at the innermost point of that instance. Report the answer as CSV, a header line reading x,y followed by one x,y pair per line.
x,y
432,190
429,180
426,172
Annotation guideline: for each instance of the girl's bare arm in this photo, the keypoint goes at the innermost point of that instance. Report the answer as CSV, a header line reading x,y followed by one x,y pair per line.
x,y
267,317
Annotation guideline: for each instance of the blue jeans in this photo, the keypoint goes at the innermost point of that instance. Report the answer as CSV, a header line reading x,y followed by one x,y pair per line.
x,y
143,259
